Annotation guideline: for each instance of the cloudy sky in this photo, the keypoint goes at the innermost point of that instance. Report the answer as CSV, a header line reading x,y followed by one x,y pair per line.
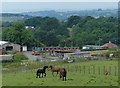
x,y
35,5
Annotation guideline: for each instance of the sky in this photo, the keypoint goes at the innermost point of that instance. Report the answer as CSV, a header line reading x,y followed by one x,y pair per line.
x,y
60,0
29,6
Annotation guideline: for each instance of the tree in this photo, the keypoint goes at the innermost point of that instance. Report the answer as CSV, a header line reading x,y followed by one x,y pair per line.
x,y
73,20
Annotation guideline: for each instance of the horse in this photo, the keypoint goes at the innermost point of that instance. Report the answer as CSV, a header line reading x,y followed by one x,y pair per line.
x,y
54,69
39,71
63,73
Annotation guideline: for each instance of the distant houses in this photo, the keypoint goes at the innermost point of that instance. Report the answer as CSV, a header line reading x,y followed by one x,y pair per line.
x,y
109,45
29,27
92,47
7,46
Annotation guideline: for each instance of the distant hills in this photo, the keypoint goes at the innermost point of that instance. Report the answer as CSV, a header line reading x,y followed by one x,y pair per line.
x,y
65,15
12,17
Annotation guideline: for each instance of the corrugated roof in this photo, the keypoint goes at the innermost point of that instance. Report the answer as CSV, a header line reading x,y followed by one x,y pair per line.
x,y
3,42
109,45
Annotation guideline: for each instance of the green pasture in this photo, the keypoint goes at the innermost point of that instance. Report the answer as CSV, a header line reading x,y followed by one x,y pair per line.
x,y
11,19
90,73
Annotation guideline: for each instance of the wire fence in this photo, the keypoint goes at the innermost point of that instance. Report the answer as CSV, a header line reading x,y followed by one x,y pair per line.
x,y
76,68
98,70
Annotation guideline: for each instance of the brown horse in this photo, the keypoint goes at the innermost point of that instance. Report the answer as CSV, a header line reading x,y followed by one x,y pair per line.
x,y
54,69
63,73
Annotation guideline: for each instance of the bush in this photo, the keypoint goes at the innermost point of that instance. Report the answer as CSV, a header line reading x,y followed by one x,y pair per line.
x,y
94,55
7,61
18,57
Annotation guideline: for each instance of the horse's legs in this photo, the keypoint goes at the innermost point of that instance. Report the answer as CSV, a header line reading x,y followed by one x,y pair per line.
x,y
65,78
42,75
57,73
45,74
39,75
60,76
53,73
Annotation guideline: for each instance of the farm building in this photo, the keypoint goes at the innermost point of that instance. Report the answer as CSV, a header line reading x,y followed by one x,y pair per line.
x,y
76,55
92,47
69,54
61,48
7,46
109,45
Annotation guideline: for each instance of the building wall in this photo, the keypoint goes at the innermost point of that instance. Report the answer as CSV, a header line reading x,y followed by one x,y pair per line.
x,y
62,48
14,46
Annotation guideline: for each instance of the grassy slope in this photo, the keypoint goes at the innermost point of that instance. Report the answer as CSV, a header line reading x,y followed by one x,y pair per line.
x,y
74,77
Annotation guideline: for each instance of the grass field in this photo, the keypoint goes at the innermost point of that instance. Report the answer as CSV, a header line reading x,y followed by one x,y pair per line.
x,y
75,75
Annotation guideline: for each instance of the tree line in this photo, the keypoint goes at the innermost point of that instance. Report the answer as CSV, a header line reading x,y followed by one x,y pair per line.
x,y
74,31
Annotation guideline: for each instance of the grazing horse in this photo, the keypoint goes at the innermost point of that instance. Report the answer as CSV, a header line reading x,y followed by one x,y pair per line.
x,y
54,69
63,73
41,71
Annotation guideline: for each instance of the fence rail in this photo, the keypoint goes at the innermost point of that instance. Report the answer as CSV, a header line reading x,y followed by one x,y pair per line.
x,y
82,69
99,70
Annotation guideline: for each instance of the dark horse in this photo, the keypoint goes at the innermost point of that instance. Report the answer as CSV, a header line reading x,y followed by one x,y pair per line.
x,y
63,73
54,69
41,71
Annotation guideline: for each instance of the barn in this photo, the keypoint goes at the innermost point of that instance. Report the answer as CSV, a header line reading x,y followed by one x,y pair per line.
x,y
7,46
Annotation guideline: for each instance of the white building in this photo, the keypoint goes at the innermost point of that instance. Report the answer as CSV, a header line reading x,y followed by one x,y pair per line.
x,y
92,47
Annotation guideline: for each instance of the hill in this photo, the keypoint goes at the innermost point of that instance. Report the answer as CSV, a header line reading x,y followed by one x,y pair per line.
x,y
65,15
12,17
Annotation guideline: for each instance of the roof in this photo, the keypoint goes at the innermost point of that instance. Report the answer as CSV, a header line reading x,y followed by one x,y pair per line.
x,y
77,53
109,45
91,46
3,42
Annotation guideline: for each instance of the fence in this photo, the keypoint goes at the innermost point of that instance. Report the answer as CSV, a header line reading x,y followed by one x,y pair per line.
x,y
82,69
98,70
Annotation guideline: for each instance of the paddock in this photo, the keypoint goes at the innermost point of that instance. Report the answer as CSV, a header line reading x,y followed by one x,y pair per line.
x,y
89,73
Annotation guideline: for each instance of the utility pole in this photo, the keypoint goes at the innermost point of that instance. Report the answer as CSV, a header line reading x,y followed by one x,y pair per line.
x,y
99,41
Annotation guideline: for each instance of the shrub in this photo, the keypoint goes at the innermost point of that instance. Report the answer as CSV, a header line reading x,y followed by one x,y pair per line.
x,y
19,56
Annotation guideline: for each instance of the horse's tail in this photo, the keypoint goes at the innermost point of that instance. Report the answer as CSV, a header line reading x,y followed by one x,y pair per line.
x,y
37,73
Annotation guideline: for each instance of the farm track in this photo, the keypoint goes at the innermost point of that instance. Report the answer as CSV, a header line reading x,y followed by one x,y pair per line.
x,y
30,56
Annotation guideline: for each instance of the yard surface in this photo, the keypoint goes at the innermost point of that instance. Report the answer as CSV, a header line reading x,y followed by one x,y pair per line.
x,y
90,73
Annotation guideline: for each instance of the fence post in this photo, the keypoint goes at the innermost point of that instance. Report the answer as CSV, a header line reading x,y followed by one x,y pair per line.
x,y
76,68
99,70
88,69
110,70
80,69
84,69
104,70
115,70
93,69
68,68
